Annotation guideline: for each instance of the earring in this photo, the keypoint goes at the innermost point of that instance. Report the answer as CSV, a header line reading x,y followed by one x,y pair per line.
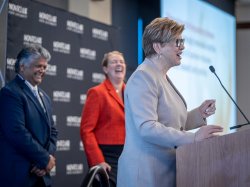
x,y
159,56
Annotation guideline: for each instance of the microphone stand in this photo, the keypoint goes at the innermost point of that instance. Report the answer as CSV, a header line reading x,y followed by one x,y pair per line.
x,y
236,126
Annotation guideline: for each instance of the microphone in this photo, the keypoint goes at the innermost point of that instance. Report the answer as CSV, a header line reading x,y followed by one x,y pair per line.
x,y
236,126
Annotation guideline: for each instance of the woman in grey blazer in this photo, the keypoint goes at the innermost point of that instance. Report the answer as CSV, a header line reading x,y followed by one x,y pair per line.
x,y
156,114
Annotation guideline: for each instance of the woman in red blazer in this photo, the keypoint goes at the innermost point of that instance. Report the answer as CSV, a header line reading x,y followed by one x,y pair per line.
x,y
103,122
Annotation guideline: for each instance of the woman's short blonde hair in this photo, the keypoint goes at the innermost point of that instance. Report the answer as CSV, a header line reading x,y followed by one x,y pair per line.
x,y
160,30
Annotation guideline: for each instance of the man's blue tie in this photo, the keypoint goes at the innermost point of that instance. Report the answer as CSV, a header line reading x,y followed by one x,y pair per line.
x,y
35,91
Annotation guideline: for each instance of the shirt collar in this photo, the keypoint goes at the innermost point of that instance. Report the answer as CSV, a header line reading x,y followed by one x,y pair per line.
x,y
28,83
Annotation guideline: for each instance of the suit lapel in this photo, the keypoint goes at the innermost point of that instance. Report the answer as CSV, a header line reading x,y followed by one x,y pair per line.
x,y
31,96
173,86
170,82
113,93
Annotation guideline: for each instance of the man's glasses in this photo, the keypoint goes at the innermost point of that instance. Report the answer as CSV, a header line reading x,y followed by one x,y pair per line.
x,y
180,42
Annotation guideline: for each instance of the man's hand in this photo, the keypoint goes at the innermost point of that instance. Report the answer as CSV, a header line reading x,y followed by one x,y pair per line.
x,y
38,172
51,164
42,172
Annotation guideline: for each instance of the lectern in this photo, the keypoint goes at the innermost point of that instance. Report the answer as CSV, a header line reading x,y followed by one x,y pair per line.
x,y
223,161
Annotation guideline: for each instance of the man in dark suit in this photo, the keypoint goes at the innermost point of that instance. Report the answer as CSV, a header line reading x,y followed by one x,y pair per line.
x,y
27,133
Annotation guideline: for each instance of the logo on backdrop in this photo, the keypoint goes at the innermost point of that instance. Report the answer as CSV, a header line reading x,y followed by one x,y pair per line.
x,y
83,98
63,145
31,39
53,171
98,77
81,148
73,121
87,53
75,74
61,47
54,119
18,10
73,169
47,19
100,34
75,27
61,96
11,64
51,70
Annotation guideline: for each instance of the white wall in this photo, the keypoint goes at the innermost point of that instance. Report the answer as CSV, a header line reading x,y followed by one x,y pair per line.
x,y
98,10
93,9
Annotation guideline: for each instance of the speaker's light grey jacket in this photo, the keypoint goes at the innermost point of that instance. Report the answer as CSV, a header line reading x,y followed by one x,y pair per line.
x,y
155,115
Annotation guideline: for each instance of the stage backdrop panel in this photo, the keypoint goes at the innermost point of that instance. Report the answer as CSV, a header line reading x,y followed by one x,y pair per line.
x,y
77,46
